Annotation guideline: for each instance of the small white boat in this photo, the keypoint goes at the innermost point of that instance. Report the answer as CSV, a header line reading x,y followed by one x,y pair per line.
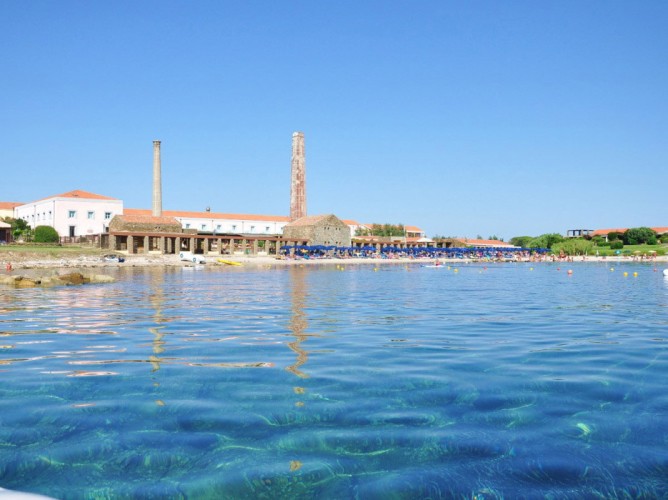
x,y
195,258
112,257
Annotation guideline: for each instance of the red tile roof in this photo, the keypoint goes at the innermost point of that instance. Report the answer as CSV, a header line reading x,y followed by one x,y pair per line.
x,y
9,205
148,219
78,193
208,215
603,232
485,243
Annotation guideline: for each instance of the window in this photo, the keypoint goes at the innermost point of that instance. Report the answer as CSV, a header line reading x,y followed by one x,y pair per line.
x,y
187,226
72,214
267,229
218,227
91,214
107,215
203,227
252,229
234,227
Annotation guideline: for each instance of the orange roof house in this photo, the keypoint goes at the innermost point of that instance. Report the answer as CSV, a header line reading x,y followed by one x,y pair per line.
x,y
606,232
7,208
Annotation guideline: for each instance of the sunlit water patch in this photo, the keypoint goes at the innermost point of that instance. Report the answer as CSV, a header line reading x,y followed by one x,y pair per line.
x,y
497,381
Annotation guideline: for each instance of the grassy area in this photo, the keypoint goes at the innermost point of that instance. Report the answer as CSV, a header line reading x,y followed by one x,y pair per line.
x,y
47,250
632,249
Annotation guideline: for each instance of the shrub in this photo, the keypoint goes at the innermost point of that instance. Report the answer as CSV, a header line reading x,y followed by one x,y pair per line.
x,y
638,236
521,241
616,245
547,240
45,234
575,246
614,236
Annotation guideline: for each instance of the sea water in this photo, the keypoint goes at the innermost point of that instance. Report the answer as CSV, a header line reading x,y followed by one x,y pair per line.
x,y
339,381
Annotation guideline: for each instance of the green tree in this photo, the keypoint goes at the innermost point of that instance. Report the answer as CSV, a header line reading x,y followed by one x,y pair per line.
x,y
546,240
46,234
574,246
638,236
387,230
521,241
20,228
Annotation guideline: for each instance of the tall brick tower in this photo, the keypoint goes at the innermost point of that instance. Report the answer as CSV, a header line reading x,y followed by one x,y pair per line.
x,y
298,178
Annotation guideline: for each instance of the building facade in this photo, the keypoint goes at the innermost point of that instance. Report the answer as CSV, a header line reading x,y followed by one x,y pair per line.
x,y
73,214
222,223
327,230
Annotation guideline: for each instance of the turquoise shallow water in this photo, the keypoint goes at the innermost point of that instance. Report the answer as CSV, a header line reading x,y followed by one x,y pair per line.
x,y
506,381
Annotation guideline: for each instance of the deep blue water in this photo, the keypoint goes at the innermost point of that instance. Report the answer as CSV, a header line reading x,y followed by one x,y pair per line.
x,y
510,381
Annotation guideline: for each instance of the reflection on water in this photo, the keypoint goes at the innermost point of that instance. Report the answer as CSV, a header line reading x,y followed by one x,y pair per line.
x,y
157,300
405,382
298,320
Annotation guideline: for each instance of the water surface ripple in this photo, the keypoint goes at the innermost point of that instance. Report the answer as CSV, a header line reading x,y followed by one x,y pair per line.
x,y
498,381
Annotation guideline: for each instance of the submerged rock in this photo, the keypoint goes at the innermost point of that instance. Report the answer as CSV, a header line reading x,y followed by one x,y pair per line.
x,y
68,279
73,279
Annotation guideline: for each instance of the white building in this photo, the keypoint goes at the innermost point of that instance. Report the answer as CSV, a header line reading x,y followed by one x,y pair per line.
x,y
73,214
221,223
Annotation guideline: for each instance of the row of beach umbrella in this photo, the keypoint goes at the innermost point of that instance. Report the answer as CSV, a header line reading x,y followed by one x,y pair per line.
x,y
411,251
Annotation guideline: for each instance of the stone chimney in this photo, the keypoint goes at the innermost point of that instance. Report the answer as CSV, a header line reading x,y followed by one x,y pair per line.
x,y
157,181
298,178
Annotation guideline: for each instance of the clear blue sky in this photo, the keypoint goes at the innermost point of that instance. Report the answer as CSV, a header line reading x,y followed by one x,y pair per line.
x,y
464,118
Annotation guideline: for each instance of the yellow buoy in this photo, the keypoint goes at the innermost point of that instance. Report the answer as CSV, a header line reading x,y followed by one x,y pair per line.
x,y
625,273
635,275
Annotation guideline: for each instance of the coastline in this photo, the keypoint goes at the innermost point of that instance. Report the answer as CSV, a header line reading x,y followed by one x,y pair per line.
x,y
27,261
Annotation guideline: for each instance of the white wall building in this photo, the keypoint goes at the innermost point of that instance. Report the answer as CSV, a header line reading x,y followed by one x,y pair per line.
x,y
73,214
221,223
